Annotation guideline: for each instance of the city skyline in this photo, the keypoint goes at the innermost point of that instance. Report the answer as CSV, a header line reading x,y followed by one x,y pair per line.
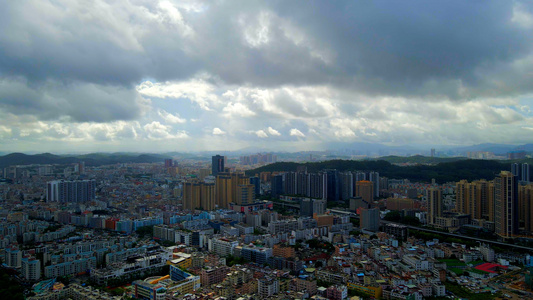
x,y
196,75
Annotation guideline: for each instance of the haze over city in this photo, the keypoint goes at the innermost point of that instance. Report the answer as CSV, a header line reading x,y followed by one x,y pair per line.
x,y
299,75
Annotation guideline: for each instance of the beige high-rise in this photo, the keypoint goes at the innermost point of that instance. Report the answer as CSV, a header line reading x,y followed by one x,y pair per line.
x,y
226,187
198,195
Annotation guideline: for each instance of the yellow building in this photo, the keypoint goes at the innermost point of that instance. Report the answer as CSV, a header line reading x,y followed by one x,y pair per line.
x,y
279,250
245,194
375,292
181,260
226,187
473,198
525,204
198,195
365,190
182,282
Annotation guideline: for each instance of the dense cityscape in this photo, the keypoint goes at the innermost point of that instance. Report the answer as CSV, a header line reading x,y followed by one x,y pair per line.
x,y
199,229
249,150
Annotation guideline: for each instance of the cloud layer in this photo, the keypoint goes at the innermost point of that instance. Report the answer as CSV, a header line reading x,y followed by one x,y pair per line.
x,y
202,75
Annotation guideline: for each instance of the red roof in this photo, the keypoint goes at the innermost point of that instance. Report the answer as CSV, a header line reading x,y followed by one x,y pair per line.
x,y
489,267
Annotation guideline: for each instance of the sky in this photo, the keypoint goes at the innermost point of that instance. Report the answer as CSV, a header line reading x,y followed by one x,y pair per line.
x,y
149,75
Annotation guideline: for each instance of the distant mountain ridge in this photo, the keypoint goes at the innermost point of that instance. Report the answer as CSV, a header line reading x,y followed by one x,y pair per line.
x,y
360,148
92,159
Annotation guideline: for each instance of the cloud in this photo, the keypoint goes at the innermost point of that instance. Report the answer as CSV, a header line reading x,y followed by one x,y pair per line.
x,y
296,132
273,131
261,133
158,131
383,49
195,90
237,109
218,131
79,101
129,71
521,16
170,118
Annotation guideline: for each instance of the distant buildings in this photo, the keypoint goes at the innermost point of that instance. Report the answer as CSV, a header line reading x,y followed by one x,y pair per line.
x,y
518,154
258,159
480,155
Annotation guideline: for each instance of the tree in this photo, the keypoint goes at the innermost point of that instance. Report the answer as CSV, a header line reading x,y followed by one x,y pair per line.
x,y
408,220
393,216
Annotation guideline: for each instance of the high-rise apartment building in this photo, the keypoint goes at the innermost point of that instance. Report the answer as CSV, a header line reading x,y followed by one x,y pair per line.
x,y
490,199
276,186
347,185
316,183
226,187
461,195
525,173
506,204
480,199
257,185
435,206
365,190
245,194
31,268
370,219
374,178
308,207
217,164
332,185
71,191
169,163
515,169
472,198
289,183
199,195
525,206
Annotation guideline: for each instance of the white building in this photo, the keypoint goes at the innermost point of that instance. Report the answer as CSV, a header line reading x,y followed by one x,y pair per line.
x,y
267,287
223,246
31,268
13,257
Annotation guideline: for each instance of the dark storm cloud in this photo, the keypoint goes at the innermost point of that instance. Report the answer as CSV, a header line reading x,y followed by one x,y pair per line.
x,y
399,48
81,102
430,49
89,42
